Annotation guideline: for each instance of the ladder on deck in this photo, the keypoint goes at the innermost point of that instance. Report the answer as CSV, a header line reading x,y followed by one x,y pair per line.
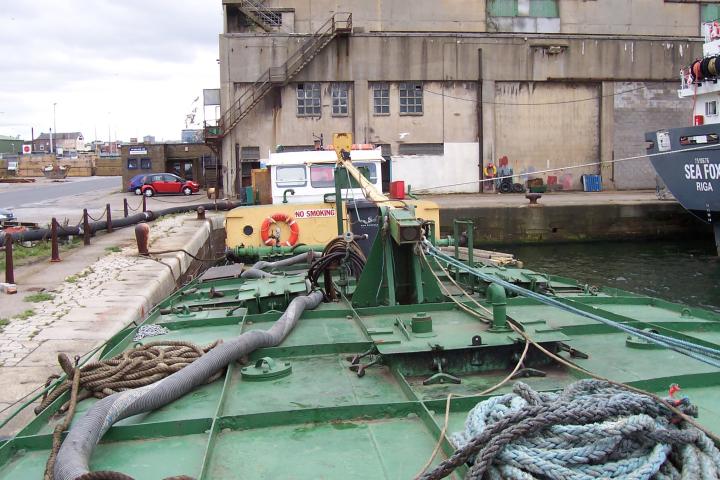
x,y
337,24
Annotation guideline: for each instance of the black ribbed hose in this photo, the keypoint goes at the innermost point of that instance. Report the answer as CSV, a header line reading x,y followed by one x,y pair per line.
x,y
74,456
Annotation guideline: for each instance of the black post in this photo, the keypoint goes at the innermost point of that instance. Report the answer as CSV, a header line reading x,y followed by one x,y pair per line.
x,y
109,218
144,203
86,228
55,251
125,207
9,272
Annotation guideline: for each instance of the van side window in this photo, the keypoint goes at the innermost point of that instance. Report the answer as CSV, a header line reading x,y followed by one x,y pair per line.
x,y
290,176
371,169
322,176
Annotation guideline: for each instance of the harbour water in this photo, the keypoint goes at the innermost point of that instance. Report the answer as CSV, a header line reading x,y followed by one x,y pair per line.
x,y
686,272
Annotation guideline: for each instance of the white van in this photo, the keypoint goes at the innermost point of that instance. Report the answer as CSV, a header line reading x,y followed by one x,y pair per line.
x,y
310,174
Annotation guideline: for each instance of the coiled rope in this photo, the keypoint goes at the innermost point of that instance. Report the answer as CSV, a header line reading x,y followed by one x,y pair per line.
x,y
143,365
591,429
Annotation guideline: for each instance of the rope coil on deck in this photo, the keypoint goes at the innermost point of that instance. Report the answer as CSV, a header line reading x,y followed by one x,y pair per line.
x,y
591,429
134,368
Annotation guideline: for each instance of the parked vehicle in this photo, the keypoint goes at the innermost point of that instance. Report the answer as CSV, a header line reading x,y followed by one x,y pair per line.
x,y
136,183
6,215
161,183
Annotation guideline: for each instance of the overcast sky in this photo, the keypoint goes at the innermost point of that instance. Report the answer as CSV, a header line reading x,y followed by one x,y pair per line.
x,y
131,67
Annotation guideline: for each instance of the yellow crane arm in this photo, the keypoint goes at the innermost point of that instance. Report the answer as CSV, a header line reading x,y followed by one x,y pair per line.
x,y
368,188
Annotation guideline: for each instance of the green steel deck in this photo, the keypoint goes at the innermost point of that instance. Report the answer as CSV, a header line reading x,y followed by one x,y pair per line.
x,y
324,421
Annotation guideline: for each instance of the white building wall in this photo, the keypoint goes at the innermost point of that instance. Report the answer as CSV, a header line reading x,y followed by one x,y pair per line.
x,y
455,171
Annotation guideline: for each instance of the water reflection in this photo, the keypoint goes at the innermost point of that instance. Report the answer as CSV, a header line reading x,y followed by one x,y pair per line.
x,y
685,271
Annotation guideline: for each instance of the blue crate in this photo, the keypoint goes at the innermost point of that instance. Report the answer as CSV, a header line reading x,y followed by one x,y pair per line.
x,y
591,183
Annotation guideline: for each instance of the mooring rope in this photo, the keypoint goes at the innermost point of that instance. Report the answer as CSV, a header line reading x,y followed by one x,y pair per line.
x,y
143,365
591,429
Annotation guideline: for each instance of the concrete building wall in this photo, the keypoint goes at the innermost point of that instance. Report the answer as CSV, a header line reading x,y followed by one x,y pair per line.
x,y
544,125
630,17
595,48
640,108
604,17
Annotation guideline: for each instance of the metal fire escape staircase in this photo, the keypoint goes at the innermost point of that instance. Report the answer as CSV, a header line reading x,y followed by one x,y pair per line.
x,y
264,17
337,24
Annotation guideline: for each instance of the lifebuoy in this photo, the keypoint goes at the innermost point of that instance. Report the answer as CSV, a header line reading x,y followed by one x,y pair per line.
x,y
490,170
271,240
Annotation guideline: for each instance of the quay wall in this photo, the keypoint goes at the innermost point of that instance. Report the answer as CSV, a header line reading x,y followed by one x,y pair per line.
x,y
573,223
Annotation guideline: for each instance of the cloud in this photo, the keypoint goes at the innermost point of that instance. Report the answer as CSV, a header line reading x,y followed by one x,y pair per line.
x,y
133,66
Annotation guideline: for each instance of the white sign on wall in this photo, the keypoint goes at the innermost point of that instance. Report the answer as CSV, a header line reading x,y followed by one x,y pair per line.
x,y
315,213
137,151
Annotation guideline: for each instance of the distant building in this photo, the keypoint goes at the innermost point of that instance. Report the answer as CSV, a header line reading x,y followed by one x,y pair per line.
x,y
191,161
191,136
68,141
10,145
149,139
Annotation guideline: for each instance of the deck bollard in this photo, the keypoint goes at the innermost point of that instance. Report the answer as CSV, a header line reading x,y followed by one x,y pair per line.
x,y
125,207
55,251
86,228
142,235
109,218
201,213
9,272
144,203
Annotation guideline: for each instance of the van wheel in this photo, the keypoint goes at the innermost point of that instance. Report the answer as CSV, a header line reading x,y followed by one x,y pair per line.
x,y
138,191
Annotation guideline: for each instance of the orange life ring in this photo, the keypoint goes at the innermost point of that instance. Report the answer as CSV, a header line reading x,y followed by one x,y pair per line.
x,y
490,170
271,240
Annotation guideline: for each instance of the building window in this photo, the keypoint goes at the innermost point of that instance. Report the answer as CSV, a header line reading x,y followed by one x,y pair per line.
x,y
372,170
322,176
339,94
711,108
132,164
421,149
308,99
709,12
250,154
145,163
381,99
290,176
523,8
411,98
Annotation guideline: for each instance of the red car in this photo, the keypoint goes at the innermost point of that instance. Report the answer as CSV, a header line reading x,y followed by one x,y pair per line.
x,y
157,183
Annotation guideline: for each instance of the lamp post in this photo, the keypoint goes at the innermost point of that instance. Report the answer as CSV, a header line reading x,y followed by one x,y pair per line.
x,y
54,132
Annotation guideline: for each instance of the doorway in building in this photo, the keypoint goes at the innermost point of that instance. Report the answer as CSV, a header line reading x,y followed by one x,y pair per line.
x,y
182,168
386,167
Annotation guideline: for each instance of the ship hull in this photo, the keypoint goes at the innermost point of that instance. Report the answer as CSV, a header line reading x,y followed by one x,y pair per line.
x,y
688,162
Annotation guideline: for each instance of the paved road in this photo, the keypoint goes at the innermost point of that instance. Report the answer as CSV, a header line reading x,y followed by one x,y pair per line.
x,y
30,194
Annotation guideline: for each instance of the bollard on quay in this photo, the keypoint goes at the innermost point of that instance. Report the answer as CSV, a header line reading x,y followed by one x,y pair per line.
x,y
142,236
9,272
109,218
201,213
55,250
86,228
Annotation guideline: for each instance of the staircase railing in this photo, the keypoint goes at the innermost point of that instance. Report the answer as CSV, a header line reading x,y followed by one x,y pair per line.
x,y
257,12
337,23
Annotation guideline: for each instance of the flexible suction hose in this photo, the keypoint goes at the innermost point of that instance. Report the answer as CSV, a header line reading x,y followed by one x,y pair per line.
x,y
74,455
256,271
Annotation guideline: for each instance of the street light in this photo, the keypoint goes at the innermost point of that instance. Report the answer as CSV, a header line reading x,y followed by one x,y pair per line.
x,y
54,132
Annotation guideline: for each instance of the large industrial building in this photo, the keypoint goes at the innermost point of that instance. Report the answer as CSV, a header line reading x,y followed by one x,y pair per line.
x,y
447,87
